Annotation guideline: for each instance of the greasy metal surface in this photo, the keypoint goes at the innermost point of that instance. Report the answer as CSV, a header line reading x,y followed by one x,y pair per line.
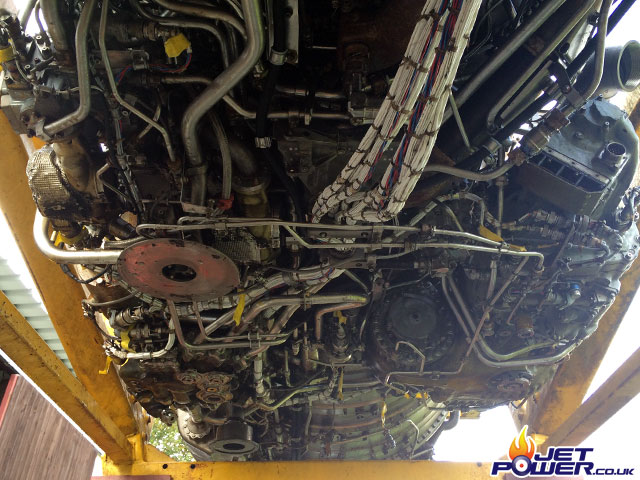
x,y
25,347
61,295
178,270
615,393
311,470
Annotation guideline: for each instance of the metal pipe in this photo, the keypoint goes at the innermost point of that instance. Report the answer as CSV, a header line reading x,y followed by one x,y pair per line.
x,y
25,14
303,92
218,88
51,14
334,308
458,118
114,88
493,113
82,65
225,153
93,257
505,52
469,175
603,20
501,359
148,355
202,11
181,23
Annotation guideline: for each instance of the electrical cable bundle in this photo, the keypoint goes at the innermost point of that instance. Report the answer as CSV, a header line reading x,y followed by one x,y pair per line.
x,y
418,94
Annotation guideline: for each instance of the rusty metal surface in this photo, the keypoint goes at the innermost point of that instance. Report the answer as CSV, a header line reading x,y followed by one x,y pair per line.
x,y
178,270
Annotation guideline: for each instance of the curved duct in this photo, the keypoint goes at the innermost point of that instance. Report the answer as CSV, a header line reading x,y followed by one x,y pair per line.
x,y
621,70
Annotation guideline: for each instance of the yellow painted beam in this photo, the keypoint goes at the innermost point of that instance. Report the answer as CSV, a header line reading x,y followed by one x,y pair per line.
x,y
25,347
615,393
61,295
307,470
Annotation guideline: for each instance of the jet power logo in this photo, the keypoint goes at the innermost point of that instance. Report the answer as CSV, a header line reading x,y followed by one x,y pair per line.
x,y
559,461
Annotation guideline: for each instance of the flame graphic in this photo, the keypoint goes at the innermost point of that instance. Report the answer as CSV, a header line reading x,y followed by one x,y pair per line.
x,y
522,445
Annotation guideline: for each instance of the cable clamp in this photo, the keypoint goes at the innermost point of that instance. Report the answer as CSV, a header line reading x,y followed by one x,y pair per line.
x,y
276,57
263,142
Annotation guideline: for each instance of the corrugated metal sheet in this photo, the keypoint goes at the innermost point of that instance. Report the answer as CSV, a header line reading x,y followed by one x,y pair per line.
x,y
31,309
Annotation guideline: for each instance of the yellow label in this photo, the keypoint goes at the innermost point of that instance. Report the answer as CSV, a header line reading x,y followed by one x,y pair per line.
x,y
174,46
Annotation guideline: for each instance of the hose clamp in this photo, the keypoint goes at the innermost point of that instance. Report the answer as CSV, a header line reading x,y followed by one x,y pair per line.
x,y
263,142
277,58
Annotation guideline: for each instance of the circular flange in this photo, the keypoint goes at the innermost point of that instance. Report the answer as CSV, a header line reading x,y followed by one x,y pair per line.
x,y
177,270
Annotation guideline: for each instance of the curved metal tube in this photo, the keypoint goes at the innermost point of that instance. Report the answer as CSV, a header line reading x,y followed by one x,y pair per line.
x,y
225,153
216,90
203,11
112,82
149,355
251,114
82,65
181,23
25,14
51,13
603,21
257,308
334,308
94,257
504,53
585,9
476,176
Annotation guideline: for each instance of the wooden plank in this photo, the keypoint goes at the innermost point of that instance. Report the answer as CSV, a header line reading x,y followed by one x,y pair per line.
x,y
20,342
37,442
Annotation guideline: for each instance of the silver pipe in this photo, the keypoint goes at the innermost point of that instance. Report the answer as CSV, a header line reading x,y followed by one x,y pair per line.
x,y
303,92
114,88
476,176
506,51
82,65
181,23
51,14
225,153
25,14
603,21
218,88
333,308
94,257
491,117
277,302
251,114
148,355
502,360
284,317
458,118
202,11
